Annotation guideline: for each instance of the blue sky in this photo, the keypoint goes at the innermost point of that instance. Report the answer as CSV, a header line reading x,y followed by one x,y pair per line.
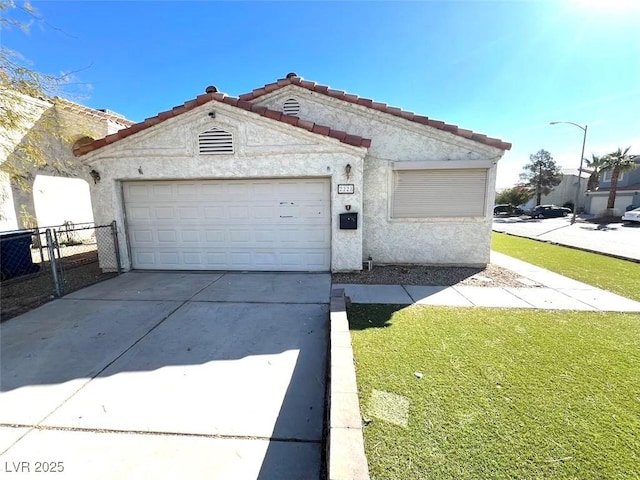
x,y
503,68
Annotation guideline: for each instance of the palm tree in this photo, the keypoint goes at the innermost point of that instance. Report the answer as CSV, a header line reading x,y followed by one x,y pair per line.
x,y
618,162
595,164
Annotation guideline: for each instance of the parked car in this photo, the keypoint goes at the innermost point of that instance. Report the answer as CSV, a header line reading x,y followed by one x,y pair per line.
x,y
632,215
506,210
549,211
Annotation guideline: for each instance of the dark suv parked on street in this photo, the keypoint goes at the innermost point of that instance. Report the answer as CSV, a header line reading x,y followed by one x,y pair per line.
x,y
549,211
506,210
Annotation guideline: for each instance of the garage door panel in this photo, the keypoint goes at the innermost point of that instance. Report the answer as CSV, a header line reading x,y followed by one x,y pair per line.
x,y
215,236
315,211
140,213
238,191
212,191
163,192
239,260
164,213
142,257
212,213
167,237
188,191
215,260
310,236
240,236
169,258
139,192
230,224
263,190
142,236
192,258
263,211
237,212
190,236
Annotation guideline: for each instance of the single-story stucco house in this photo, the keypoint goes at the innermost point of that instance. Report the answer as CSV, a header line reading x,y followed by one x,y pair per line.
x,y
294,176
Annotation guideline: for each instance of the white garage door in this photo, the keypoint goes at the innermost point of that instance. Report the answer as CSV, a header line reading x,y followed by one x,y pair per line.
x,y
265,224
599,203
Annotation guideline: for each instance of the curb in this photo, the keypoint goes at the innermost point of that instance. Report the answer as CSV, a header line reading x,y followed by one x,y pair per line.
x,y
345,458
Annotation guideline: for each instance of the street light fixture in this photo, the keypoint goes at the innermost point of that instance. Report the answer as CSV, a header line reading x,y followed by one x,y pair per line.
x,y
584,140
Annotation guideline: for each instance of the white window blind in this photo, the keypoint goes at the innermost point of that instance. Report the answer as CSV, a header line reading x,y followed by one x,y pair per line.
x,y
439,193
215,142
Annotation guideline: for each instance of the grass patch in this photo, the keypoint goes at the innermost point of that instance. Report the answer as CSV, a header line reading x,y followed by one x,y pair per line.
x,y
504,394
612,274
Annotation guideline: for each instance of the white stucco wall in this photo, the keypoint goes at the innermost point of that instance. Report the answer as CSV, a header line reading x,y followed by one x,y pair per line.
x,y
60,199
450,241
564,192
263,149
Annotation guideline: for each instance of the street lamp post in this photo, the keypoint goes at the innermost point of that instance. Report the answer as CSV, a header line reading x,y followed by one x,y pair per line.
x,y
584,140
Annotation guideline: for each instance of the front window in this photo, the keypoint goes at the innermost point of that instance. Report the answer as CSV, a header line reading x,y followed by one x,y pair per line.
x,y
606,176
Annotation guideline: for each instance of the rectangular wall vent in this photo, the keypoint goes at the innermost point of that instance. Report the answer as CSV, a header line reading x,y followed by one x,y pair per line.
x,y
215,142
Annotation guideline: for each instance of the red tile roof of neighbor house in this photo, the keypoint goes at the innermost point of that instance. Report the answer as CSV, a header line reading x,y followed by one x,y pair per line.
x,y
234,101
92,112
293,79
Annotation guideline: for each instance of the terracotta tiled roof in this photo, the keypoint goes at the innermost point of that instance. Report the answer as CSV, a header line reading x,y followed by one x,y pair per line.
x,y
293,79
91,112
236,102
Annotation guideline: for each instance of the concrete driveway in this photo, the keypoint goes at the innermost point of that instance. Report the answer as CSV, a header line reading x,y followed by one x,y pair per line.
x,y
169,375
617,238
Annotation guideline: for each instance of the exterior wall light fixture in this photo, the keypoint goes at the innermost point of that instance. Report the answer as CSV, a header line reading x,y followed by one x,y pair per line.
x,y
95,175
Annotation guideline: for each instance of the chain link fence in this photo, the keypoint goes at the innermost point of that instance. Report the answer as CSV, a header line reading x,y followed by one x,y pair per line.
x,y
41,264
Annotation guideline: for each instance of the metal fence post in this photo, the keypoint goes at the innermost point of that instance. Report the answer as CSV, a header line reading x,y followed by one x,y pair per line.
x,y
57,242
39,236
52,259
116,244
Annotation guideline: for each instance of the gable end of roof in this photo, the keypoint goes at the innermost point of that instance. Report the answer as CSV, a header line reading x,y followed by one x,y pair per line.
x,y
381,107
343,137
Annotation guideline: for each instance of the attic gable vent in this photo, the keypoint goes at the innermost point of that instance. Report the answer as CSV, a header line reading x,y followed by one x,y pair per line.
x,y
291,107
215,142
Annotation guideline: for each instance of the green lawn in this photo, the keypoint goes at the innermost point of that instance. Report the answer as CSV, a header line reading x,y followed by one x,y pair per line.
x,y
612,274
505,394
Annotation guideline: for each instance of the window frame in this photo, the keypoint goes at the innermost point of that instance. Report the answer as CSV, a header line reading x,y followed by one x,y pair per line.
x,y
607,176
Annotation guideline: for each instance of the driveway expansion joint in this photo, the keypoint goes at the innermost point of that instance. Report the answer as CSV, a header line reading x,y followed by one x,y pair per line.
x,y
158,433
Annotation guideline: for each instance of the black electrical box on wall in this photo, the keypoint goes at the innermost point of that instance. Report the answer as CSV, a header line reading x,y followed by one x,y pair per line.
x,y
349,221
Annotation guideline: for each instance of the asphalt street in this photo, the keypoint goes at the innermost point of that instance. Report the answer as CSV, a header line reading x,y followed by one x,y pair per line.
x,y
619,239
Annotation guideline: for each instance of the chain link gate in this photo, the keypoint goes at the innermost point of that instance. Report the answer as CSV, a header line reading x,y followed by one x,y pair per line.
x,y
41,264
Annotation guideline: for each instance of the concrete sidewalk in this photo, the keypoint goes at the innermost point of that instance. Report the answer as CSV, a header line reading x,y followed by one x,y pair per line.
x,y
546,290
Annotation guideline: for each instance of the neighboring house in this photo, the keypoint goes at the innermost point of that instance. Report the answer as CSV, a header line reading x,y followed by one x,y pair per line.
x,y
627,193
565,191
294,176
57,191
